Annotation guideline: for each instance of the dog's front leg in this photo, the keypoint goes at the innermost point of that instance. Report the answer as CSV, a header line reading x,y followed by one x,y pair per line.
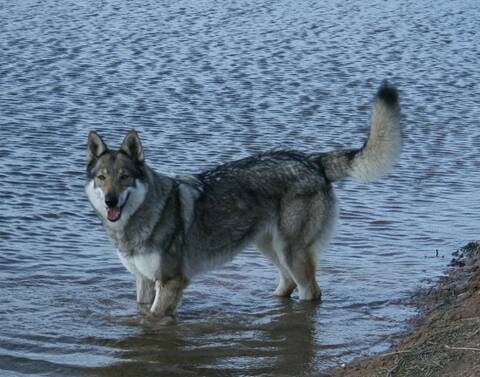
x,y
167,296
145,291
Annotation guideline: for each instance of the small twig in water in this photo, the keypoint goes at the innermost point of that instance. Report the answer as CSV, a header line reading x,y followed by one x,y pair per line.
x,y
462,348
394,353
471,319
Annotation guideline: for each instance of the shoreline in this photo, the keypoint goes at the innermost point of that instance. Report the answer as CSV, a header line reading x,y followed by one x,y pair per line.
x,y
446,335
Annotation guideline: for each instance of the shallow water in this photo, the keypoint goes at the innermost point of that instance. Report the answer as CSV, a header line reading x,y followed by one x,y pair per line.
x,y
206,82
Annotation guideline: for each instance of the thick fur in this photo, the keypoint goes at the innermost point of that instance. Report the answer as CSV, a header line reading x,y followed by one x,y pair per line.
x,y
173,228
380,150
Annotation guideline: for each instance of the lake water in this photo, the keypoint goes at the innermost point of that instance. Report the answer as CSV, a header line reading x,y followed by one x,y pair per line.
x,y
212,81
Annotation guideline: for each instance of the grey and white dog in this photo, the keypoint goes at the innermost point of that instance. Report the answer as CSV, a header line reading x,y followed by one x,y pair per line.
x,y
169,229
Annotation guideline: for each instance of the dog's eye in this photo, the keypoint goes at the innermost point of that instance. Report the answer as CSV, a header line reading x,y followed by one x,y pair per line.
x,y
124,177
101,177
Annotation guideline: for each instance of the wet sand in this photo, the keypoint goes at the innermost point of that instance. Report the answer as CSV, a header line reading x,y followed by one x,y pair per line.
x,y
447,337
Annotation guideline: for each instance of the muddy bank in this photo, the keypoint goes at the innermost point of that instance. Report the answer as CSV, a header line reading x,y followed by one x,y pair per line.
x,y
447,337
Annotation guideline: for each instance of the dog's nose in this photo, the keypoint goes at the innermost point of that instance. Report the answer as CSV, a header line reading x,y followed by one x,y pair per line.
x,y
111,200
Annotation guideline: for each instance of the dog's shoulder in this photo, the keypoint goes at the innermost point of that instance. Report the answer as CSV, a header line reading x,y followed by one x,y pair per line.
x,y
189,190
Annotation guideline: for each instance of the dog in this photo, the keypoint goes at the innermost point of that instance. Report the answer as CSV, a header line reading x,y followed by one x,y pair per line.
x,y
169,229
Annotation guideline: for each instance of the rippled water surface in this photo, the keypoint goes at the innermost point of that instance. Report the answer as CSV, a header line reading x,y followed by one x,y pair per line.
x,y
211,81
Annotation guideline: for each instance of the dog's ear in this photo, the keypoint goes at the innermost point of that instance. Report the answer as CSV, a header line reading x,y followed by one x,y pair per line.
x,y
132,146
95,146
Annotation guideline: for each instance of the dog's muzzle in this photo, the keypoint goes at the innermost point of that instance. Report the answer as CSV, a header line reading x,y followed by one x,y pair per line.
x,y
114,212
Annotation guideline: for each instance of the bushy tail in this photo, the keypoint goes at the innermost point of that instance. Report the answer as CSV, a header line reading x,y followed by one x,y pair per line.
x,y
379,152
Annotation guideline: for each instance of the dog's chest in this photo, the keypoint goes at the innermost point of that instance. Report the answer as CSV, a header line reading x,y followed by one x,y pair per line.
x,y
146,263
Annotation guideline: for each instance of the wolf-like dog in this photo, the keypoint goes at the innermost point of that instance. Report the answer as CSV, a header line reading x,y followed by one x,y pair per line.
x,y
169,229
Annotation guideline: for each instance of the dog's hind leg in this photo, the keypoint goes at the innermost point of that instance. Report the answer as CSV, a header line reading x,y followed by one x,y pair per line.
x,y
167,296
305,226
145,290
286,284
300,262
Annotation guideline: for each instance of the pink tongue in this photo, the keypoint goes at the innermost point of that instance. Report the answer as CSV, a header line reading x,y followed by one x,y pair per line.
x,y
113,214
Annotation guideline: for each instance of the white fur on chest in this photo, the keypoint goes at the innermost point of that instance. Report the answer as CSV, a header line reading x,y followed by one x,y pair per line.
x,y
146,264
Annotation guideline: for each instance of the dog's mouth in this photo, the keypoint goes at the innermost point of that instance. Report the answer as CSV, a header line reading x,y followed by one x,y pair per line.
x,y
114,213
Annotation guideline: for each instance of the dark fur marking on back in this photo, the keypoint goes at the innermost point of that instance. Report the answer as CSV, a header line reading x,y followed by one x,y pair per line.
x,y
272,158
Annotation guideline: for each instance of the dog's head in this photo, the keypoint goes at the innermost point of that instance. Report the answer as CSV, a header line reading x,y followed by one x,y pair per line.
x,y
116,178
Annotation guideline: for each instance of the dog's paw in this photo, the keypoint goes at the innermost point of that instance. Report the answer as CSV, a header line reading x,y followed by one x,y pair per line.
x,y
310,294
155,320
283,291
285,288
166,320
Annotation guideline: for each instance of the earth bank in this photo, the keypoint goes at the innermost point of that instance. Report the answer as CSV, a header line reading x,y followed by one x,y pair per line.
x,y
447,338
